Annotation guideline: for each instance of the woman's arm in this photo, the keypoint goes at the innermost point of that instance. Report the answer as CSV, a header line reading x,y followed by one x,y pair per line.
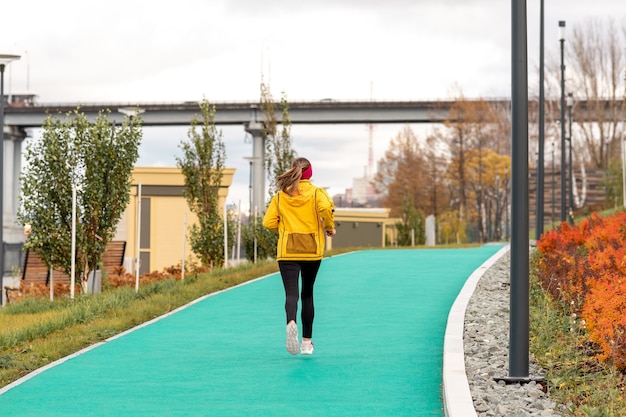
x,y
326,210
271,219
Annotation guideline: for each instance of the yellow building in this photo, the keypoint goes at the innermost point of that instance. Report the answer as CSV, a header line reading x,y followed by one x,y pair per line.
x,y
362,227
164,218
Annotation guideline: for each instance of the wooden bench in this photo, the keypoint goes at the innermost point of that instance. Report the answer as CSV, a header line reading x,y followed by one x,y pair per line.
x,y
113,256
35,271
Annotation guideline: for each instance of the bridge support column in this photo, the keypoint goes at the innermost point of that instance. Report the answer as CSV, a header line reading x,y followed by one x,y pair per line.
x,y
13,139
12,233
257,203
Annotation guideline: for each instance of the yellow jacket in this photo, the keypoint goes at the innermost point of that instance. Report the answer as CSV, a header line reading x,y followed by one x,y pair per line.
x,y
301,221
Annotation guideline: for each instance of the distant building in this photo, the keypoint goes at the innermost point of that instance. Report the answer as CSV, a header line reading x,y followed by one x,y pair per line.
x,y
20,99
362,227
164,213
362,194
362,191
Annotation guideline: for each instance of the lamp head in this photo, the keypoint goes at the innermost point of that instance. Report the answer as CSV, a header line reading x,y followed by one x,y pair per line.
x,y
561,30
7,58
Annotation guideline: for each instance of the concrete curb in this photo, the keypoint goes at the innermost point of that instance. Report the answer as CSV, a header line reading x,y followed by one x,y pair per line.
x,y
457,397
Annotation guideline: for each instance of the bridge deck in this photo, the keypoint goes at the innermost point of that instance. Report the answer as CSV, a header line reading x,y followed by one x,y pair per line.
x,y
300,112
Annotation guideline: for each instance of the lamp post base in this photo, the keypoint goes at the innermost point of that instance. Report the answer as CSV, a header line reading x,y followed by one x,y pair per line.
x,y
509,380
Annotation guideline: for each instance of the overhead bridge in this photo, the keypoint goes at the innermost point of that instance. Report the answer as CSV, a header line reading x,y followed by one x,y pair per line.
x,y
234,113
247,114
29,114
300,112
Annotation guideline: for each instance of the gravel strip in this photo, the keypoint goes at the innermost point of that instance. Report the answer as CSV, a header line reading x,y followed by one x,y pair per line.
x,y
486,346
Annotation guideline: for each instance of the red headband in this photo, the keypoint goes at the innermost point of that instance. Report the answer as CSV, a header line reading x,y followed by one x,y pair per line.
x,y
307,173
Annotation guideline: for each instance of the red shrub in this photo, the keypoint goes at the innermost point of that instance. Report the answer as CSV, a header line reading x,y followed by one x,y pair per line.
x,y
584,267
605,318
562,262
61,289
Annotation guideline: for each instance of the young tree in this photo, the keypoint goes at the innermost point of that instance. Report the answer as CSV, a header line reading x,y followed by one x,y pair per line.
x,y
257,239
95,158
412,228
202,165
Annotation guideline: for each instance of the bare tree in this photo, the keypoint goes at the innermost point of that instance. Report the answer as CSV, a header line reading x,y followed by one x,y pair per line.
x,y
596,54
472,124
595,59
436,186
403,174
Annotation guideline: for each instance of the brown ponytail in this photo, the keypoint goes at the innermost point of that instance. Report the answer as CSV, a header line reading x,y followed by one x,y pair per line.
x,y
288,181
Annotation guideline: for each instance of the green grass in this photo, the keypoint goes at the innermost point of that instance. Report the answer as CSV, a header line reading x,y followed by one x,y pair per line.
x,y
35,332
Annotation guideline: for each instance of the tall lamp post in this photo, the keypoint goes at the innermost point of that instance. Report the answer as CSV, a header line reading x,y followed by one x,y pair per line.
x,y
623,155
552,218
540,154
519,328
570,105
4,61
563,191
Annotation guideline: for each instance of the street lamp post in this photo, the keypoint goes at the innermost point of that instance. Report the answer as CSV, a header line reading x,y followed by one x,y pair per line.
x,y
4,61
553,181
498,231
623,160
562,40
570,105
253,212
506,204
540,154
519,321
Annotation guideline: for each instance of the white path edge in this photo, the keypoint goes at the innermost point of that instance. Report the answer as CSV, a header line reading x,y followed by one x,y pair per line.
x,y
457,397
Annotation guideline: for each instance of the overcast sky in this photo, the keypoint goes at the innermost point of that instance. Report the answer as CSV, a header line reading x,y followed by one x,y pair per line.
x,y
144,51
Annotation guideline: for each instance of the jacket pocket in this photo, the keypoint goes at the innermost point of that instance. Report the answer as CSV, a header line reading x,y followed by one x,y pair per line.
x,y
302,243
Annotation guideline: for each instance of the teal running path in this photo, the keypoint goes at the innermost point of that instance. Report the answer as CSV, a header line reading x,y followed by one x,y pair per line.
x,y
379,326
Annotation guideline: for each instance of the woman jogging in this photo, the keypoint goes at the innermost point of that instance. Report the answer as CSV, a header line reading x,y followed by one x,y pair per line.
x,y
302,214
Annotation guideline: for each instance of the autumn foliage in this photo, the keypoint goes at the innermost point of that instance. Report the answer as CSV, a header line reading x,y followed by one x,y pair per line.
x,y
584,267
39,291
118,278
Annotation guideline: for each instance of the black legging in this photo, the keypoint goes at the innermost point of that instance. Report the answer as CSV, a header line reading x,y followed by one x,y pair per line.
x,y
290,270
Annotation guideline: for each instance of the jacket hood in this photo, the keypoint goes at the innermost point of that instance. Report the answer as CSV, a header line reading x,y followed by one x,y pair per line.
x,y
306,191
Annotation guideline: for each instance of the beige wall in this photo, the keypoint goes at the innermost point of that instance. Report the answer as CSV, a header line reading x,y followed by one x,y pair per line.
x,y
360,227
161,190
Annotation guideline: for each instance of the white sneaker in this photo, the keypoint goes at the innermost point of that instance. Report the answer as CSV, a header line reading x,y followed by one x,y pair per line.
x,y
306,348
292,338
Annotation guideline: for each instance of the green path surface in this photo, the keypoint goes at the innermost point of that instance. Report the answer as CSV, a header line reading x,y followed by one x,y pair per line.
x,y
379,328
